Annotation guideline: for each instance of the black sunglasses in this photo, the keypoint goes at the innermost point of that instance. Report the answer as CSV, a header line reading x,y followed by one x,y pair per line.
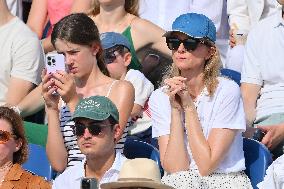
x,y
94,129
111,53
189,44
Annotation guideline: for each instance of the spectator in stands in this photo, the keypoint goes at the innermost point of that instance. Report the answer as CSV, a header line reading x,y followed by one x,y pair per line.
x,y
21,58
122,17
243,16
14,152
76,37
117,57
138,173
262,80
44,11
97,129
164,12
198,117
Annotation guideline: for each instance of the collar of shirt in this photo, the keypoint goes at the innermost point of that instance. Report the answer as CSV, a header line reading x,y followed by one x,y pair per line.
x,y
278,18
115,168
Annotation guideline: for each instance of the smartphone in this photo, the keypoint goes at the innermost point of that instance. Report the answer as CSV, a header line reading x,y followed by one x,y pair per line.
x,y
54,62
258,135
89,183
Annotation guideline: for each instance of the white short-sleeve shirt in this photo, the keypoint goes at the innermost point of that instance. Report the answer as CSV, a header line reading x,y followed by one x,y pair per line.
x,y
142,86
71,177
223,110
21,55
263,64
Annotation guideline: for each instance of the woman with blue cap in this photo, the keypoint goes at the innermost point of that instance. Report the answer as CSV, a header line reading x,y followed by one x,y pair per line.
x,y
198,116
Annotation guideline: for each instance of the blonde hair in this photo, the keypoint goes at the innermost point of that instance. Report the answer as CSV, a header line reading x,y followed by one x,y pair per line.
x,y
210,73
131,6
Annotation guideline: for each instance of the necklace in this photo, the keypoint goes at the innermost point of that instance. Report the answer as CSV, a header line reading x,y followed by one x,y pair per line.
x,y
4,169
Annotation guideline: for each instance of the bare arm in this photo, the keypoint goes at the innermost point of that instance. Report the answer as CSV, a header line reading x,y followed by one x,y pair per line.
x,y
175,146
156,40
14,95
250,94
55,148
136,110
124,101
38,16
32,103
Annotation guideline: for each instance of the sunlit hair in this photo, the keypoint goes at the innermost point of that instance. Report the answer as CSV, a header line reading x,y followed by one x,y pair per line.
x,y
16,122
79,29
131,6
210,73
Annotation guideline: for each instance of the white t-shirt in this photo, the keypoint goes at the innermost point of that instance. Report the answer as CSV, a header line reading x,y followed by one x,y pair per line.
x,y
71,178
142,86
223,110
263,64
143,89
21,55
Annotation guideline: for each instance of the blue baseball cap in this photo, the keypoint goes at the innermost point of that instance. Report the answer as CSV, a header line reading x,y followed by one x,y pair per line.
x,y
194,25
111,39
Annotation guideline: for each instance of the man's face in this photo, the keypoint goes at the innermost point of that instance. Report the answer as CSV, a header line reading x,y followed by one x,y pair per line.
x,y
95,138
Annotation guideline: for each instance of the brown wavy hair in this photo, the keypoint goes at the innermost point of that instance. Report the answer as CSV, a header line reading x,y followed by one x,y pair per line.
x,y
79,29
16,122
131,6
210,73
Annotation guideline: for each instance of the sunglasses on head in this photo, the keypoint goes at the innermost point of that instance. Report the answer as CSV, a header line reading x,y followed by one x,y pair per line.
x,y
5,136
94,129
189,44
111,53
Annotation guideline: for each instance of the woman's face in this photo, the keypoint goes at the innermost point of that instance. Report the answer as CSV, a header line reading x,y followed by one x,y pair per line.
x,y
189,59
79,59
8,148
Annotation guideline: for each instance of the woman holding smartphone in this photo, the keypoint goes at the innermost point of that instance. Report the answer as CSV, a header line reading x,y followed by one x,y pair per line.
x,y
198,116
76,37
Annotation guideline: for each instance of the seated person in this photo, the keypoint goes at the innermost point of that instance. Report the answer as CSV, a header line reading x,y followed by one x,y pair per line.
x,y
138,173
262,82
14,152
117,58
274,177
96,127
198,116
21,58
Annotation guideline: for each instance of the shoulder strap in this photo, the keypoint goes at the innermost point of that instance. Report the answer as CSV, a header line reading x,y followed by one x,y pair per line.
x,y
109,90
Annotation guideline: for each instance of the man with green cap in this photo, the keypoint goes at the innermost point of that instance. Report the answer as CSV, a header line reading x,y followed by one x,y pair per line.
x,y
97,130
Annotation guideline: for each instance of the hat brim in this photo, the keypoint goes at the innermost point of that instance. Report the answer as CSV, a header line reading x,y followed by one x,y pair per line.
x,y
147,184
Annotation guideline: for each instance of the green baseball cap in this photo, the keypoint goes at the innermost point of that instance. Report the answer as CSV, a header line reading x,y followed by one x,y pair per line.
x,y
96,108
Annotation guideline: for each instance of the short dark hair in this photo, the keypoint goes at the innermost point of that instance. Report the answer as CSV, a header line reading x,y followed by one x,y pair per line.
x,y
79,29
16,122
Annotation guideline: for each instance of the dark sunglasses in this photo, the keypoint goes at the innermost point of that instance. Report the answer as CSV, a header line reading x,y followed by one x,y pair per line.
x,y
5,136
189,44
94,129
111,53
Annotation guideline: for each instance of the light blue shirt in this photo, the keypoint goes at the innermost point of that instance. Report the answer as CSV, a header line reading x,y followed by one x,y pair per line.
x,y
71,177
264,64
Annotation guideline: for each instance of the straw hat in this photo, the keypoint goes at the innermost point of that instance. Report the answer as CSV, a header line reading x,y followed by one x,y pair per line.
x,y
139,172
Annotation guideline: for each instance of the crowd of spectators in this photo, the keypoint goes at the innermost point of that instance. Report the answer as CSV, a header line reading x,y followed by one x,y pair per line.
x,y
148,68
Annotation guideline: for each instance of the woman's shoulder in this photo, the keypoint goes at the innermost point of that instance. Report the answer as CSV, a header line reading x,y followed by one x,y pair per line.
x,y
26,178
141,24
228,86
123,85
